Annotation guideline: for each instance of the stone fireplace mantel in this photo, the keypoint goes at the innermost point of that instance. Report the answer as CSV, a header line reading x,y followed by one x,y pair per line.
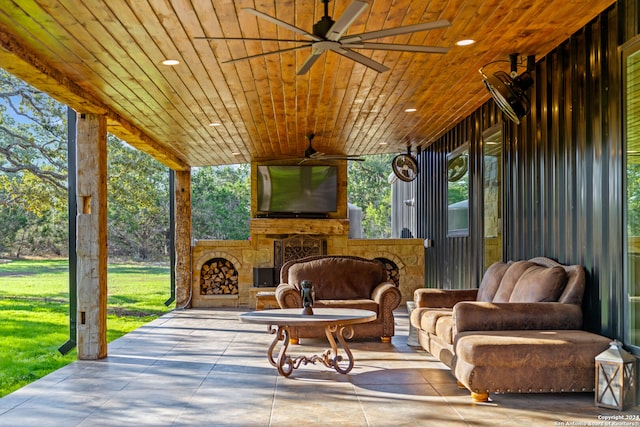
x,y
293,226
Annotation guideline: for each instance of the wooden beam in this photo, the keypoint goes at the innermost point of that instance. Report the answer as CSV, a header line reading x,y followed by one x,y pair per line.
x,y
26,65
182,197
91,199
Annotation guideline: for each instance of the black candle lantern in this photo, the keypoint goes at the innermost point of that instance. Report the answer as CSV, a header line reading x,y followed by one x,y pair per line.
x,y
306,291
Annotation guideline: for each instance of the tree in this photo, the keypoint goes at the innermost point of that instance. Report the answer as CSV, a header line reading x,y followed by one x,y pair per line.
x,y
138,203
221,202
369,189
33,148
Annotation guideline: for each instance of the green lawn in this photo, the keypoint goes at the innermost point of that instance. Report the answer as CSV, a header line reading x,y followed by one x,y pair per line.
x,y
34,313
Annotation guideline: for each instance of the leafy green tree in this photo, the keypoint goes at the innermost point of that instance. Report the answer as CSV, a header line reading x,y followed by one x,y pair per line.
x,y
138,203
33,148
221,202
369,189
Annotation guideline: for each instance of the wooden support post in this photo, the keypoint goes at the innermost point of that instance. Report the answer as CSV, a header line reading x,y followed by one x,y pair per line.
x,y
182,195
91,198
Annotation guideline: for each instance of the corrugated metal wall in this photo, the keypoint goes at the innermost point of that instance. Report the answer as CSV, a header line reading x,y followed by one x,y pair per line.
x,y
563,168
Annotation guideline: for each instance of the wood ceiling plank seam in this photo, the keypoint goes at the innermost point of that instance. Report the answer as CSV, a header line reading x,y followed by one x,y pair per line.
x,y
161,21
306,16
235,93
394,130
407,18
328,103
396,15
250,27
259,66
238,76
336,95
135,85
393,135
275,87
72,53
375,20
86,102
378,19
401,137
102,38
351,89
379,105
218,111
286,13
215,111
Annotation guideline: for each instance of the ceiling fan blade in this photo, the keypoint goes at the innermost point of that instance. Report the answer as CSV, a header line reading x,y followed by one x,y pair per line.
x,y
281,23
362,59
399,47
351,13
252,39
266,53
396,31
342,157
310,61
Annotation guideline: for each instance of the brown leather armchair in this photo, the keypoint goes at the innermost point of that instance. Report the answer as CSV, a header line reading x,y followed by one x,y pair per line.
x,y
342,282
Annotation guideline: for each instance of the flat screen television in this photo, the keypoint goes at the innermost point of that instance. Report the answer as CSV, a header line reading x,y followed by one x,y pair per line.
x,y
290,190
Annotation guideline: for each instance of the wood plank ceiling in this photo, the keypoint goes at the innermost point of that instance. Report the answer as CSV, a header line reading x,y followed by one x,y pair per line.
x,y
106,57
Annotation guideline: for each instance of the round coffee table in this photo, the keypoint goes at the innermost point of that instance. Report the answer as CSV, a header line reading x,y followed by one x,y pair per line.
x,y
336,321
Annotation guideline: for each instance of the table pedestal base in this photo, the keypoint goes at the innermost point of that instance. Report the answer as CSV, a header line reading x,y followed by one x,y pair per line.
x,y
329,358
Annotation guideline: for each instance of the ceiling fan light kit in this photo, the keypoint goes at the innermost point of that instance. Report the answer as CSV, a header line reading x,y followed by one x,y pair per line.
x,y
509,91
327,35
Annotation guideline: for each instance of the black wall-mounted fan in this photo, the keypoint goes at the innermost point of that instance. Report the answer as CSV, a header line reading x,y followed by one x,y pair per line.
x,y
327,35
509,91
405,166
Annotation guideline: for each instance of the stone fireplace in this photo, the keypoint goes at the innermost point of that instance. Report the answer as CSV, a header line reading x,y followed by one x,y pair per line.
x,y
270,247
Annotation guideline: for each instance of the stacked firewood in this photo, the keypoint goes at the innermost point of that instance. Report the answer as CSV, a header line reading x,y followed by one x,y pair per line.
x,y
218,277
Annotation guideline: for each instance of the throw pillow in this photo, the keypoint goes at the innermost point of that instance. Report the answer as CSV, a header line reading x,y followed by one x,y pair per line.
x,y
491,281
509,280
540,284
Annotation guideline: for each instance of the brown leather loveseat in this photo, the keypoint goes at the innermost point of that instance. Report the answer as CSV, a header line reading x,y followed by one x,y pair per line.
x,y
342,282
518,332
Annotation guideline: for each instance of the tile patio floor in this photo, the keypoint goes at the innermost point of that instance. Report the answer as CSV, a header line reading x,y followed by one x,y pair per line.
x,y
203,367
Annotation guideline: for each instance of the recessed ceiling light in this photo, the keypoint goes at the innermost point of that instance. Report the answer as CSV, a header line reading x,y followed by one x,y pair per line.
x,y
383,143
236,153
215,124
170,62
465,42
410,110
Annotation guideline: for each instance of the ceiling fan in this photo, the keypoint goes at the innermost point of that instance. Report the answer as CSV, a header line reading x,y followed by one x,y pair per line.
x,y
328,36
311,154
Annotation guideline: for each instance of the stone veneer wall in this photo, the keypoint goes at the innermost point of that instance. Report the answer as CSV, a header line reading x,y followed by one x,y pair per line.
x,y
407,254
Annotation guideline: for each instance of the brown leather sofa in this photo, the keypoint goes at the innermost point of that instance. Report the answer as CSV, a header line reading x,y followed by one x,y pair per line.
x,y
341,282
518,332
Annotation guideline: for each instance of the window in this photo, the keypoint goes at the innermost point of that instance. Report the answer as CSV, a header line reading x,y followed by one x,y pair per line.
x,y
458,192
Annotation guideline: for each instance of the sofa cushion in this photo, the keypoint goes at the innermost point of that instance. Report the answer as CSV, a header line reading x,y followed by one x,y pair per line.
x,y
539,284
511,276
491,281
444,329
362,304
530,349
429,318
